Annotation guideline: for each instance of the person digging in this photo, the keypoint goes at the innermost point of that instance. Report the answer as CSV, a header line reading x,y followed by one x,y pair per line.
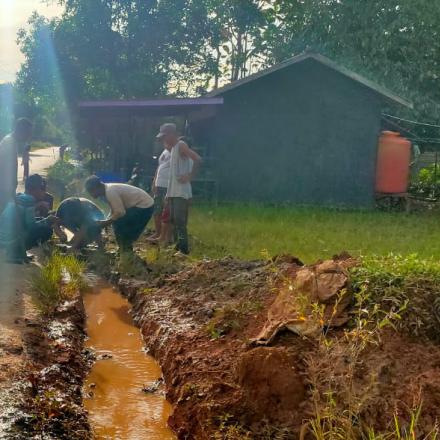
x,y
131,210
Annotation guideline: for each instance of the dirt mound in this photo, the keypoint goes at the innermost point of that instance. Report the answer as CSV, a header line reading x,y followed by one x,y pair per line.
x,y
200,323
48,401
271,383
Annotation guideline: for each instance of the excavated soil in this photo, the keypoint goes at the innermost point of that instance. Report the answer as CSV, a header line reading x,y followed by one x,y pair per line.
x,y
41,398
203,325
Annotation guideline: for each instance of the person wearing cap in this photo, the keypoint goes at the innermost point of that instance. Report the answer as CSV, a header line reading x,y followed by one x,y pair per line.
x,y
131,210
10,145
184,164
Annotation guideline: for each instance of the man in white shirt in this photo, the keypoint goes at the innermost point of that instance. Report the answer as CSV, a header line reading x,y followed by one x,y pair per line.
x,y
131,209
184,164
9,148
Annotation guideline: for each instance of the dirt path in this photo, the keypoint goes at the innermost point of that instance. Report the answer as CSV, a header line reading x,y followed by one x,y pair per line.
x,y
16,310
40,161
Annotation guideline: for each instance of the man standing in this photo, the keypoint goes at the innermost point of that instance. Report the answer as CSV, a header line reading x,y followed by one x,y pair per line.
x,y
131,209
9,147
184,164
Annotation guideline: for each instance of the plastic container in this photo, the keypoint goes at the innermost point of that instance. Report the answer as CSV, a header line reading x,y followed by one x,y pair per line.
x,y
393,163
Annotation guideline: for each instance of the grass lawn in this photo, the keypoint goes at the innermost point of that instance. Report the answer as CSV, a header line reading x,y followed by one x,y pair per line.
x,y
245,231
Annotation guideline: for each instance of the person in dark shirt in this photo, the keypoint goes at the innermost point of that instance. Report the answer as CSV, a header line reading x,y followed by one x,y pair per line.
x,y
80,216
20,229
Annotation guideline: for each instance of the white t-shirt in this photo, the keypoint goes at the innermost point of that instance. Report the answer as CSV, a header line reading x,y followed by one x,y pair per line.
x,y
121,197
163,171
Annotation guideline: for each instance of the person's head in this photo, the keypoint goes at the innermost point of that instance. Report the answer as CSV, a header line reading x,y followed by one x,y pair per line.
x,y
34,186
95,187
168,134
23,130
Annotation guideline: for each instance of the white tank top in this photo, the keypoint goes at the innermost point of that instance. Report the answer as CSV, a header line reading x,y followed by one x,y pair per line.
x,y
179,166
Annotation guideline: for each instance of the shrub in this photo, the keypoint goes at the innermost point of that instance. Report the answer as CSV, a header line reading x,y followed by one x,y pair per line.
x,y
394,280
427,183
61,171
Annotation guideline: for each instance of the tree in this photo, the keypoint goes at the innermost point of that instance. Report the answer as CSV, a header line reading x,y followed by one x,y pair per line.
x,y
394,42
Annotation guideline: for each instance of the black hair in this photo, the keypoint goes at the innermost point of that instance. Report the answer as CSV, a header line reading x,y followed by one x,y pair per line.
x,y
33,182
92,183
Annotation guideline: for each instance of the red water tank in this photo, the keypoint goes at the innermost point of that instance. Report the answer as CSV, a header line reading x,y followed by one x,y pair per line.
x,y
393,162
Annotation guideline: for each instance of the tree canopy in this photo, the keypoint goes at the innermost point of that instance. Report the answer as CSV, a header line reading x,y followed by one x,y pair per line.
x,y
147,48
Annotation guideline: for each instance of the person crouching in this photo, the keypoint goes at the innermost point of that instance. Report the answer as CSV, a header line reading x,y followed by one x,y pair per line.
x,y
131,209
20,229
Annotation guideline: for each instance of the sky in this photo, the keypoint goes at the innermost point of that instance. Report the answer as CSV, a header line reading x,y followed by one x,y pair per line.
x,y
14,15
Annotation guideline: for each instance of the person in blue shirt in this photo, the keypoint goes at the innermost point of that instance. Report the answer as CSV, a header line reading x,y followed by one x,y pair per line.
x,y
20,230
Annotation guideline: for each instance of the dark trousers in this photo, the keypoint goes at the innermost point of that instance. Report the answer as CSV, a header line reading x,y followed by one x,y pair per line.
x,y
130,227
179,208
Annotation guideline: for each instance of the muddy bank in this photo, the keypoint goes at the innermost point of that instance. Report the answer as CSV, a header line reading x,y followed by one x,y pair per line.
x,y
201,325
45,398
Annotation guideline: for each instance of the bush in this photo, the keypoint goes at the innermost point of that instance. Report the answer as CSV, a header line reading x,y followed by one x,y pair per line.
x,y
61,171
427,183
395,280
59,280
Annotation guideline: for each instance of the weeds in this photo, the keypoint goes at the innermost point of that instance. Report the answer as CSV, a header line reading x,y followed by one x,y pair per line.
x,y
58,280
386,290
394,280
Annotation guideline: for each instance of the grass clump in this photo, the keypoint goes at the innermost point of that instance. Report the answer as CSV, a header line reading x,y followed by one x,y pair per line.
x,y
393,280
58,280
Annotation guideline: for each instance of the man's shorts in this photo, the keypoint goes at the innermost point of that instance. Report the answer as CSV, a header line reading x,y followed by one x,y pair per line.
x,y
159,200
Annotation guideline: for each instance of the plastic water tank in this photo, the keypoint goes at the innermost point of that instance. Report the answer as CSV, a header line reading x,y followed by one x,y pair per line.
x,y
393,163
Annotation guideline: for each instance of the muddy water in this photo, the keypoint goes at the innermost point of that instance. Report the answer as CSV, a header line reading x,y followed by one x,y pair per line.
x,y
118,407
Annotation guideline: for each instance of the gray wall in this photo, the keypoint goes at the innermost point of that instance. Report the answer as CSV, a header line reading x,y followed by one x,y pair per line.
x,y
305,135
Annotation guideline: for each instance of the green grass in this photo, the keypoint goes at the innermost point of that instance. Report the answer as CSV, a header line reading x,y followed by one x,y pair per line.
x,y
245,231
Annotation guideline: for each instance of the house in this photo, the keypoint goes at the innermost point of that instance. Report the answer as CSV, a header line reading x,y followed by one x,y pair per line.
x,y
304,131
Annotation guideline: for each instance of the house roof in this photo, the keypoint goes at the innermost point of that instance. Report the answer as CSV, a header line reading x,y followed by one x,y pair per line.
x,y
389,96
151,103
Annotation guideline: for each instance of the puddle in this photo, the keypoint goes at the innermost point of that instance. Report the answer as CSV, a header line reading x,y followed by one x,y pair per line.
x,y
118,408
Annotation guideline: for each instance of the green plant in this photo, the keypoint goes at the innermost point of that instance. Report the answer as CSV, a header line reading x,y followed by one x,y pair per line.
x,y
58,280
427,183
393,280
62,171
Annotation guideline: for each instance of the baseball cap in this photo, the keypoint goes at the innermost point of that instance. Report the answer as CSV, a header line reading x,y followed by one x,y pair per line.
x,y
168,128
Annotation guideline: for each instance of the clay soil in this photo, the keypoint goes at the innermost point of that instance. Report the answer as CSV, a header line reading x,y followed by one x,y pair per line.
x,y
200,323
41,365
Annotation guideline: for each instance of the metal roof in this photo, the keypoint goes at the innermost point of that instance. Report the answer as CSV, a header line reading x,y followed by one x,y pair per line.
x,y
151,103
322,60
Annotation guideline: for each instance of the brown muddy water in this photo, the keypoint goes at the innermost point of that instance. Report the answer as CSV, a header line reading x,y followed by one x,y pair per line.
x,y
118,407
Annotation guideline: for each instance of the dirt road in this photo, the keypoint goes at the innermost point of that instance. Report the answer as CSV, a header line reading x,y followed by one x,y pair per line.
x,y
15,305
40,161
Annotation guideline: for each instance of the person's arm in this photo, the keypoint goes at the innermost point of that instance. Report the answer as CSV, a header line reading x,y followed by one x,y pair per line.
x,y
185,151
79,237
